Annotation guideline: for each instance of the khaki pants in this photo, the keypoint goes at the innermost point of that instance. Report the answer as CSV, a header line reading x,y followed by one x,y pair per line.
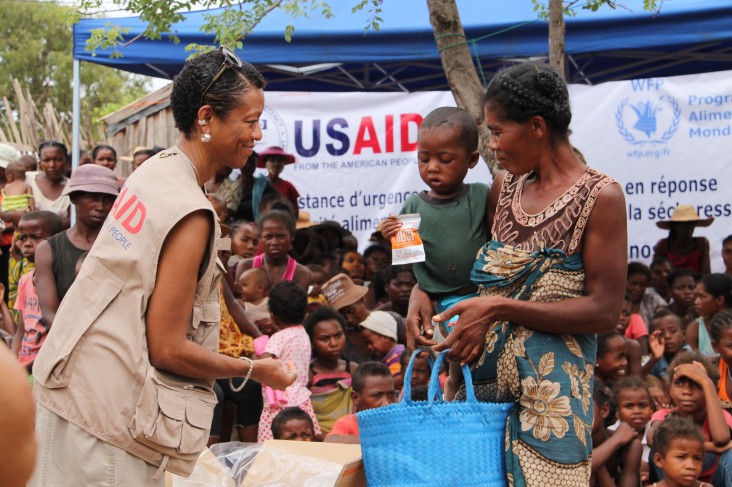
x,y
69,456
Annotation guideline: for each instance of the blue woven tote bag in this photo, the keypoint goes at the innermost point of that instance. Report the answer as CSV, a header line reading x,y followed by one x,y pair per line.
x,y
434,442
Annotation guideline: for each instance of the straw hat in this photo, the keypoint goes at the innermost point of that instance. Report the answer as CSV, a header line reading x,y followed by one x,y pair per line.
x,y
685,214
274,151
303,220
340,291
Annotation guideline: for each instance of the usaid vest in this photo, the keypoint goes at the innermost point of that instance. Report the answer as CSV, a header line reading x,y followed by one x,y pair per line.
x,y
93,369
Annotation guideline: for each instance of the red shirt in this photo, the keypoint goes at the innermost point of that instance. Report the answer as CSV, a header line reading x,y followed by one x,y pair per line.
x,y
347,425
287,189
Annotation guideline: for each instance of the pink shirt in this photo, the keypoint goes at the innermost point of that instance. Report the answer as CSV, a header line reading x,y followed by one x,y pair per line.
x,y
292,345
35,330
636,327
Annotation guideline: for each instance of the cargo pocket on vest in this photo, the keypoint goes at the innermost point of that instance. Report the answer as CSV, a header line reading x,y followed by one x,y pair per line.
x,y
86,300
173,419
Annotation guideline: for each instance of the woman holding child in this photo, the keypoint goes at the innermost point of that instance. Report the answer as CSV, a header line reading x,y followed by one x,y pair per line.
x,y
552,276
126,373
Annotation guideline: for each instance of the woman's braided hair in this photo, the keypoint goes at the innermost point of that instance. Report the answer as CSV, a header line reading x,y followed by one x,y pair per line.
x,y
530,89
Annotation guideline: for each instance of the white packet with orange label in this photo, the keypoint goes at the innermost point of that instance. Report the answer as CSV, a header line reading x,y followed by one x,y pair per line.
x,y
406,245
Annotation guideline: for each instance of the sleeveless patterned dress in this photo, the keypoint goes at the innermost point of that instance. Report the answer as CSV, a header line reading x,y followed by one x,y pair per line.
x,y
550,377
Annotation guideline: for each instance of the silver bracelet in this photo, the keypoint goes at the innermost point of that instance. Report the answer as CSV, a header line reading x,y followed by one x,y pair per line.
x,y
246,377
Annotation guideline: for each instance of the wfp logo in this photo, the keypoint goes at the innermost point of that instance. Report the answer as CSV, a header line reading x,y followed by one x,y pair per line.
x,y
648,121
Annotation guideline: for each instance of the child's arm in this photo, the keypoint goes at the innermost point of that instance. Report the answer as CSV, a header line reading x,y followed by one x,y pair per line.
x,y
603,478
656,344
692,335
19,332
8,322
634,357
631,458
717,425
603,452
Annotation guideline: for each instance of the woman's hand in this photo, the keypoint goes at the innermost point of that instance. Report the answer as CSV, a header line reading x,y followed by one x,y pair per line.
x,y
390,226
467,339
419,319
271,372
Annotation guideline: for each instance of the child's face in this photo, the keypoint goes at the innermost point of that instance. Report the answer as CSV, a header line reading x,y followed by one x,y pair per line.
x,y
378,344
244,241
106,158
706,304
724,347
443,160
377,260
317,279
378,391
353,263
400,287
275,165
30,234
682,290
687,395
138,160
671,332
634,407
421,371
682,463
329,341
659,273
297,430
727,256
624,317
276,239
636,286
613,364
251,289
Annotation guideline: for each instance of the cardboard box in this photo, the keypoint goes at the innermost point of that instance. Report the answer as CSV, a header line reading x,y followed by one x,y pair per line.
x,y
323,464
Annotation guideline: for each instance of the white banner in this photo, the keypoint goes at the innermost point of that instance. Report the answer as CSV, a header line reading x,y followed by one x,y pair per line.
x,y
667,142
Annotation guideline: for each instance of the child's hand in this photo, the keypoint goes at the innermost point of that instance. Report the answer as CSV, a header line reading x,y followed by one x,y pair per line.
x,y
2,292
656,343
660,398
695,372
390,226
625,433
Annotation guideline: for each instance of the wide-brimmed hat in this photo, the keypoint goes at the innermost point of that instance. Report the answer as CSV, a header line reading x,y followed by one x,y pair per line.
x,y
334,225
91,178
274,151
382,323
685,214
7,155
340,291
303,220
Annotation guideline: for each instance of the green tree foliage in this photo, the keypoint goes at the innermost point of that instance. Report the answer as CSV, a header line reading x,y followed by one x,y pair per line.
x,y
36,49
571,6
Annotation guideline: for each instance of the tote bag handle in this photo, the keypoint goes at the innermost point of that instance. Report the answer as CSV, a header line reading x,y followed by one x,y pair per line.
x,y
434,393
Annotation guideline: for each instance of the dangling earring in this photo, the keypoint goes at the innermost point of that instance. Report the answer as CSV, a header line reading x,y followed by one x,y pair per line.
x,y
205,137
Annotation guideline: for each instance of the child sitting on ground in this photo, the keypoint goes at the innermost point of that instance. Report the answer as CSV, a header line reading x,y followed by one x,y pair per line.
x,y
254,285
679,451
17,195
722,342
666,340
33,228
634,406
287,304
694,394
611,450
379,331
373,387
293,424
612,357
330,373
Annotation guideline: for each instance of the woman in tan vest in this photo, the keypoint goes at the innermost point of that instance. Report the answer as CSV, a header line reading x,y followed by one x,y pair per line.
x,y
124,381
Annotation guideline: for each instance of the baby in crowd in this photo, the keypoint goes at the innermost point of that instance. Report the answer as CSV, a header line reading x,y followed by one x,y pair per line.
x,y
254,285
17,194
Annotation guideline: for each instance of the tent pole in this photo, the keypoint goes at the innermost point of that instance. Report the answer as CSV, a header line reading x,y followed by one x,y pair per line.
x,y
75,125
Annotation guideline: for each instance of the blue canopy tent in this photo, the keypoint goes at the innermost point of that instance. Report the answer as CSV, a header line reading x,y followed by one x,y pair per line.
x,y
688,36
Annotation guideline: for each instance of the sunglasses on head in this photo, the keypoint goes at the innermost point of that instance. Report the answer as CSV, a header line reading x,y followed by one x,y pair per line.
x,y
231,61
